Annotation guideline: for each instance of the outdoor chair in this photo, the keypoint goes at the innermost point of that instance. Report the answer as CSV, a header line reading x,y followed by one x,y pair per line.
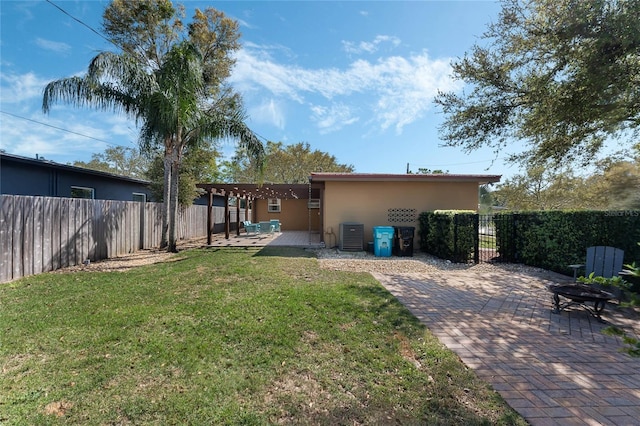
x,y
602,261
275,225
265,227
251,227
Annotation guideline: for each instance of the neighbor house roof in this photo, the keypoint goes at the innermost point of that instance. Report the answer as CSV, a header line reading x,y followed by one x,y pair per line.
x,y
48,164
381,177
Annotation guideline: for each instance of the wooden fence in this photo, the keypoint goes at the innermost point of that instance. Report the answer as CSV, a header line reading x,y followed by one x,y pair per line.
x,y
40,234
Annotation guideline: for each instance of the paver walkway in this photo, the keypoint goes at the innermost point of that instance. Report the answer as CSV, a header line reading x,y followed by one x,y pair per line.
x,y
554,369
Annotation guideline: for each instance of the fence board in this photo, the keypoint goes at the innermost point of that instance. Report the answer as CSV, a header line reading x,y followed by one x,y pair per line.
x,y
56,245
38,229
18,238
73,233
88,229
81,238
27,238
64,233
6,238
47,222
103,212
128,229
112,229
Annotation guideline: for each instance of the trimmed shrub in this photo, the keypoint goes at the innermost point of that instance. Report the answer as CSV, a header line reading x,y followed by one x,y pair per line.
x,y
449,234
554,239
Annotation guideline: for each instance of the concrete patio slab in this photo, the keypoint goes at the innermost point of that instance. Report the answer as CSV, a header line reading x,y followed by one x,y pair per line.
x,y
302,239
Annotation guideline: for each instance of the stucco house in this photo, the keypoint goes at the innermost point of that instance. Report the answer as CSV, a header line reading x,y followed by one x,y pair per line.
x,y
390,199
331,199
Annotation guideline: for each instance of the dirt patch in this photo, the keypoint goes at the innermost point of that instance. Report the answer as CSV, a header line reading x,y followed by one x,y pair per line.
x,y
140,258
58,408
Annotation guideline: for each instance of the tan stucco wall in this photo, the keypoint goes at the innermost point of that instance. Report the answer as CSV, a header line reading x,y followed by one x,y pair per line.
x,y
369,202
293,216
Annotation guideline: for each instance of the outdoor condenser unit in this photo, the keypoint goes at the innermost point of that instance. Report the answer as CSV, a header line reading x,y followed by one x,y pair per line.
x,y
351,236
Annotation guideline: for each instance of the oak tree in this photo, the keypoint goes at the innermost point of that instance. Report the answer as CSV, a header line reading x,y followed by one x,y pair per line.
x,y
561,75
283,164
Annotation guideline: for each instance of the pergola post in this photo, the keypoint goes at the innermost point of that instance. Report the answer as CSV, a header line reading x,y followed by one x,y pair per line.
x,y
209,216
237,215
226,215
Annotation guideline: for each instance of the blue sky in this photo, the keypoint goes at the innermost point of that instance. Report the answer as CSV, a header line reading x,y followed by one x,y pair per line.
x,y
355,79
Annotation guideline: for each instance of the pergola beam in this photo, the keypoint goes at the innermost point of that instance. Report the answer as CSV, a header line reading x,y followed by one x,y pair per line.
x,y
249,192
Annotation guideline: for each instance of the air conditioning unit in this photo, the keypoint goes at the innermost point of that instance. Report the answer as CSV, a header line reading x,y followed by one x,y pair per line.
x,y
351,236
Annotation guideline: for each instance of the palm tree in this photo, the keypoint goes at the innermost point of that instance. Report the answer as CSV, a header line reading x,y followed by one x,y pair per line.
x,y
171,103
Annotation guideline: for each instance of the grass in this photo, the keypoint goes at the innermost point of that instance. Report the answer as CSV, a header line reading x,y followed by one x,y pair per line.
x,y
229,336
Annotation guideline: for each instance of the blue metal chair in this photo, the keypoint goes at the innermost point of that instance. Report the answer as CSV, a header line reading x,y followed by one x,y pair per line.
x,y
265,227
251,227
275,225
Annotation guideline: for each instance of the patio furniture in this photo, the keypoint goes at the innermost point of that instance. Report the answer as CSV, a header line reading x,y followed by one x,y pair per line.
x,y
266,227
582,295
602,261
251,227
276,224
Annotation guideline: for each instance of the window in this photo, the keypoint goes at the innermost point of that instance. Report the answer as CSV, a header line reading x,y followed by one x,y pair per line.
x,y
273,205
140,197
314,203
82,192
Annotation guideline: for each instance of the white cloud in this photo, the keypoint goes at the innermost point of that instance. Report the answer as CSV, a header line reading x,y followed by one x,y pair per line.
x,y
28,138
54,46
259,70
398,90
332,118
369,46
270,112
21,87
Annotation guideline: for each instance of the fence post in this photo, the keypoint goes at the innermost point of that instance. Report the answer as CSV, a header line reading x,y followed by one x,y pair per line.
x,y
514,250
476,238
455,238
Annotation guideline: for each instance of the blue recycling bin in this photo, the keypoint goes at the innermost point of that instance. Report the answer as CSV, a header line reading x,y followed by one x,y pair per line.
x,y
382,241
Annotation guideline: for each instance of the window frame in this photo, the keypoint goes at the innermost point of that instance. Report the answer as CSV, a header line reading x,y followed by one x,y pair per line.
x,y
92,192
313,203
140,194
274,207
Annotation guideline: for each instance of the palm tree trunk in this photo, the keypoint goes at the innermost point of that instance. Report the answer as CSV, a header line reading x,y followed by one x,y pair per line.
x,y
173,202
166,195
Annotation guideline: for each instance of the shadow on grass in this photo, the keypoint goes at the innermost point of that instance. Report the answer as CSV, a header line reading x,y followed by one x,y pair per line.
x,y
282,251
389,309
267,251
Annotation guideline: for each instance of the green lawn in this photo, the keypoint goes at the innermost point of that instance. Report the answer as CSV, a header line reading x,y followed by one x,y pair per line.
x,y
227,336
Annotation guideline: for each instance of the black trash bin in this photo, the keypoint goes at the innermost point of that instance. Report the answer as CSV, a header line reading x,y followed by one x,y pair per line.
x,y
403,240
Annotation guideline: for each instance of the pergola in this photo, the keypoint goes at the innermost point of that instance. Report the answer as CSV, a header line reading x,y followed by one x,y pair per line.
x,y
249,192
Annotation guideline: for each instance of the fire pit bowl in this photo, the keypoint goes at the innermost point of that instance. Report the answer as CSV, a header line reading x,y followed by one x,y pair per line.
x,y
580,294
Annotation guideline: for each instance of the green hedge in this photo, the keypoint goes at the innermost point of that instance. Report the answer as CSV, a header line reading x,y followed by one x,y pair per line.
x,y
554,239
449,234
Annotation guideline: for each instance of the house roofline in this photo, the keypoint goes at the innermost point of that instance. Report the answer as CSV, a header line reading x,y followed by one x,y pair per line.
x,y
54,165
381,177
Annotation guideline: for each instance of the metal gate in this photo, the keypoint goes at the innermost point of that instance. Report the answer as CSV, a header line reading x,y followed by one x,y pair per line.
x,y
493,245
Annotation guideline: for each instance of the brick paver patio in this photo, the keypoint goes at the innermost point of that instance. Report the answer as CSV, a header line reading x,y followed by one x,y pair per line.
x,y
554,369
